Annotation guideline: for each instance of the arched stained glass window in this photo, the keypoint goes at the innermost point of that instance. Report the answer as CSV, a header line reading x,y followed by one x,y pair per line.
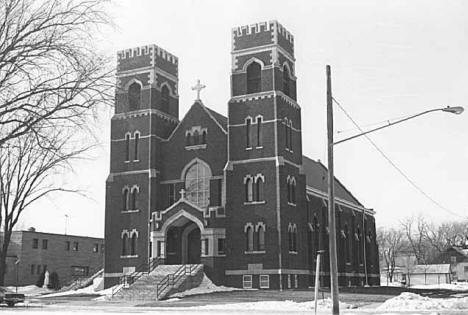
x,y
249,189
125,199
261,238
285,80
134,199
197,184
249,239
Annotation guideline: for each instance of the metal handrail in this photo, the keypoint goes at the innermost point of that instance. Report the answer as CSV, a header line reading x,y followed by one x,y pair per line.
x,y
173,278
142,269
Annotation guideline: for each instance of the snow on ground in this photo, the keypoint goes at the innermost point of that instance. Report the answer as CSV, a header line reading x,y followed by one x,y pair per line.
x,y
95,288
413,302
206,286
460,286
30,290
287,305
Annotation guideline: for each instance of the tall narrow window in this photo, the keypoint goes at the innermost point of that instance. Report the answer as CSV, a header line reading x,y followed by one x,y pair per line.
x,y
290,136
127,147
134,95
254,78
137,144
259,189
249,189
196,137
125,199
248,127
316,236
290,238
259,131
124,244
288,186
261,238
134,204
133,244
203,137
294,239
188,139
286,133
165,99
293,191
346,242
249,239
285,80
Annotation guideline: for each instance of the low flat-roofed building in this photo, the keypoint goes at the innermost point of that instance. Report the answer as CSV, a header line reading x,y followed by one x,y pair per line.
x,y
70,256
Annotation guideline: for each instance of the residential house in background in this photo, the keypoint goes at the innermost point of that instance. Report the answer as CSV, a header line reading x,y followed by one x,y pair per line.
x,y
457,257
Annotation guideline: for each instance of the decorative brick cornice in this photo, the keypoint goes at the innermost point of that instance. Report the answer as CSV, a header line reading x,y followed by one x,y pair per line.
x,y
145,112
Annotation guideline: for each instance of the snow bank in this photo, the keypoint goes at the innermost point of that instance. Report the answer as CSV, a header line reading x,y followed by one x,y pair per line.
x,y
95,288
206,286
29,290
446,286
273,306
413,302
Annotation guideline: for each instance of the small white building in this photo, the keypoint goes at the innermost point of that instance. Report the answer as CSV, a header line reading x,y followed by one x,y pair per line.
x,y
428,274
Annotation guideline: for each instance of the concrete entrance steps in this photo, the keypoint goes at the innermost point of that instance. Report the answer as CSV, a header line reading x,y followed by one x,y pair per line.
x,y
145,288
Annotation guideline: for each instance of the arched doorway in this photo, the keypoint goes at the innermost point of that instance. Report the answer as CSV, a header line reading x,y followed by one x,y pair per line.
x,y
183,243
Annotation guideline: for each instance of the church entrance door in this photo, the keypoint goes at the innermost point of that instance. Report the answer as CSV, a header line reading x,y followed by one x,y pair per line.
x,y
183,243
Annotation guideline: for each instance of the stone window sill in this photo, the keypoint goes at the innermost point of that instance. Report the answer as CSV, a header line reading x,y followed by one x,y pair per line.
x,y
292,252
127,161
255,252
130,211
136,161
260,147
291,204
248,148
289,150
128,256
195,147
255,202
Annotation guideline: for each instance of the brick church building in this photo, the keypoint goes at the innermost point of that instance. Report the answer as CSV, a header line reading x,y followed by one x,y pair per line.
x,y
232,193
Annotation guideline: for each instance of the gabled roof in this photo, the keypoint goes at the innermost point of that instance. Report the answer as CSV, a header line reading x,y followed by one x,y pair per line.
x,y
222,120
461,251
439,268
317,178
219,119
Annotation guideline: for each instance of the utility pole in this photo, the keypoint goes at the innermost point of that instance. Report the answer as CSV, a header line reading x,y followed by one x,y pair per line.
x,y
331,201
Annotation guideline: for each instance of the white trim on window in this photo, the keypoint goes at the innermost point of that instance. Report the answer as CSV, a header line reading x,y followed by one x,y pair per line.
x,y
264,281
247,281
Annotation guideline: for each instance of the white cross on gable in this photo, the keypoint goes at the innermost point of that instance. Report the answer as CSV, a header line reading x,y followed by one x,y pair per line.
x,y
182,194
198,87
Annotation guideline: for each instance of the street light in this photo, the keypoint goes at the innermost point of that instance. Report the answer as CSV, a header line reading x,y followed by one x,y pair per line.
x,y
331,181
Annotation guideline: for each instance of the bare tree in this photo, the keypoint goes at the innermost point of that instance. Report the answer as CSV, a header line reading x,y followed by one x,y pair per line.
x,y
52,81
415,230
391,244
50,74
28,172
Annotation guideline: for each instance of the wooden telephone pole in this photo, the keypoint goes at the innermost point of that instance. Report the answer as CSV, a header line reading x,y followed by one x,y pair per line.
x,y
331,201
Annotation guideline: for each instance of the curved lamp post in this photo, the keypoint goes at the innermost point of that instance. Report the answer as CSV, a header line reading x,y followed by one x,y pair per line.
x,y
331,181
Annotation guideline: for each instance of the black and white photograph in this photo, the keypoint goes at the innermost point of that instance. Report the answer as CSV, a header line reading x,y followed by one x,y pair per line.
x,y
234,157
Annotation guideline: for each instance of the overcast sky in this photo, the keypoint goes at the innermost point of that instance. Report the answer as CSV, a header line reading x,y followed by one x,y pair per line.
x,y
389,59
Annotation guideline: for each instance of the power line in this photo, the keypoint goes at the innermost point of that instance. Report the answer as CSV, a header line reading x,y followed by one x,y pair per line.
x,y
398,169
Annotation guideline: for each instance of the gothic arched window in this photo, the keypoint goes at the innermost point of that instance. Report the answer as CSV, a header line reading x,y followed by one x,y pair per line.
x,y
165,99
134,198
254,78
346,244
136,147
293,191
248,127
188,139
125,199
134,96
133,244
249,239
261,238
259,132
196,137
203,137
197,184
124,244
127,147
259,189
249,189
286,80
